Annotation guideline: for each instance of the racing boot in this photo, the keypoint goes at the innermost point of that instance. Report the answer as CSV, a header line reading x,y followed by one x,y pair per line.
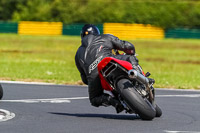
x,y
107,100
115,103
119,108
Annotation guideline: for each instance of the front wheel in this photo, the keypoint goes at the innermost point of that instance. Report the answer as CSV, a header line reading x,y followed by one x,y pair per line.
x,y
1,92
158,111
134,100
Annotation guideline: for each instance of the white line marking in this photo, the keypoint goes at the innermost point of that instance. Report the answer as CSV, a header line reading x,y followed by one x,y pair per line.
x,y
6,115
169,89
67,100
186,95
37,83
167,131
52,100
22,82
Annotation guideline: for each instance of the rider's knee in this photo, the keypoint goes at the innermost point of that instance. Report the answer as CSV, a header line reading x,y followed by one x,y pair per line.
x,y
133,60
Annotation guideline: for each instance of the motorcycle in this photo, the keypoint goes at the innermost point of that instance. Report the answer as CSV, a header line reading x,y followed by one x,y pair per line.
x,y
131,87
1,92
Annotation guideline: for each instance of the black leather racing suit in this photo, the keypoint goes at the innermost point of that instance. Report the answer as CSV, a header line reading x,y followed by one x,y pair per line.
x,y
91,52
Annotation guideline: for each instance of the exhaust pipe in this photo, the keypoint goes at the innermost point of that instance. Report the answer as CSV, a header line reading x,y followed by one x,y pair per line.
x,y
133,74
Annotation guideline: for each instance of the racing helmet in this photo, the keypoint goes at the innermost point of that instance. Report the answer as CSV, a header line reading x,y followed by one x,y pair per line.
x,y
89,29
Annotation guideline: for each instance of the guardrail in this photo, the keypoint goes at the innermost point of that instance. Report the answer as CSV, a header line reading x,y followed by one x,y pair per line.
x,y
182,33
8,27
121,30
40,28
133,31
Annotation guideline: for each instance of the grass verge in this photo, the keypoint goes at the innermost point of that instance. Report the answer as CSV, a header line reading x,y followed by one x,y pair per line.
x,y
174,63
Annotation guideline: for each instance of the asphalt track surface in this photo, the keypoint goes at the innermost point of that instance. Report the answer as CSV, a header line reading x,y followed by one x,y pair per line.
x,y
66,109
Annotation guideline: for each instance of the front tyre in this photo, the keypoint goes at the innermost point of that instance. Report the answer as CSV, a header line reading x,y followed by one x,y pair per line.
x,y
135,101
1,92
158,111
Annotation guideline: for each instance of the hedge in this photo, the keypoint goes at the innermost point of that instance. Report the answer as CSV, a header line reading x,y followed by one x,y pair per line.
x,y
162,13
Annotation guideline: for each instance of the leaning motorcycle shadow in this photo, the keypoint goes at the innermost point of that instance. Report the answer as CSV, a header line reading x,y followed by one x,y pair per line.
x,y
105,116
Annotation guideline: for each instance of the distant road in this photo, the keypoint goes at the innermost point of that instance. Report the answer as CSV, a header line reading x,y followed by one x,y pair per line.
x,y
66,109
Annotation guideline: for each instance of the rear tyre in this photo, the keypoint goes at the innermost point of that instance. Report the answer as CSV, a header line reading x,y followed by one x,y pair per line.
x,y
135,101
1,92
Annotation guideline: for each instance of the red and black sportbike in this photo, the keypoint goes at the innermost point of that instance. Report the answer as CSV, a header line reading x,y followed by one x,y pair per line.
x,y
131,87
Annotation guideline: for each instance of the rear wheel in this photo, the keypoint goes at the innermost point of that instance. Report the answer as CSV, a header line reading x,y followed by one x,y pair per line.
x,y
135,101
1,92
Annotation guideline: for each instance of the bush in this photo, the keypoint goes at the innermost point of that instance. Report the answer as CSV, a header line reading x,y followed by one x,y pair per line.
x,y
166,14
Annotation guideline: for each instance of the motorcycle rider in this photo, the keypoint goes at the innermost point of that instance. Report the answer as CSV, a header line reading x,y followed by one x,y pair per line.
x,y
93,49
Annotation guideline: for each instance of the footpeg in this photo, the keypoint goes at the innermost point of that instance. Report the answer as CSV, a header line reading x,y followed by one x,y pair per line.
x,y
147,74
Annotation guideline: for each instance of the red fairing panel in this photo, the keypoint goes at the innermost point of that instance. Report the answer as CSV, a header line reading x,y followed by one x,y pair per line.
x,y
103,63
106,60
105,84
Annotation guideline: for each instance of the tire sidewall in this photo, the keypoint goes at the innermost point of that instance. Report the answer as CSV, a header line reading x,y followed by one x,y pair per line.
x,y
134,100
1,92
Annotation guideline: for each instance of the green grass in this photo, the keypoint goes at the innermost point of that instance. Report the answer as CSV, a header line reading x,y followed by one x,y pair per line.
x,y
38,58
174,63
